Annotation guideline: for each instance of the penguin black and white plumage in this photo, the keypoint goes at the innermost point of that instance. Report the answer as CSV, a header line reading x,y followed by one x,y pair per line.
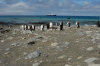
x,y
51,24
33,27
25,27
77,24
48,26
28,27
68,24
42,27
61,25
22,27
98,24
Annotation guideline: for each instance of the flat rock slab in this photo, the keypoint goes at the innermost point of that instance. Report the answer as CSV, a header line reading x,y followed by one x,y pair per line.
x,y
34,54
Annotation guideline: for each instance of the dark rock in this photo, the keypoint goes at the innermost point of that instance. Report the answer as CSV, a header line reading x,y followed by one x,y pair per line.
x,y
40,38
31,43
1,28
5,31
99,52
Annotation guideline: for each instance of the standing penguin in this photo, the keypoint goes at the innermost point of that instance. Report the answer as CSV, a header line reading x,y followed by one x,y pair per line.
x,y
28,27
98,24
48,27
68,23
33,27
61,25
22,27
77,24
51,25
25,27
42,27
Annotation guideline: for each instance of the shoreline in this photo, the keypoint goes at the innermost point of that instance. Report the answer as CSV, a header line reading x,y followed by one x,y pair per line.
x,y
45,23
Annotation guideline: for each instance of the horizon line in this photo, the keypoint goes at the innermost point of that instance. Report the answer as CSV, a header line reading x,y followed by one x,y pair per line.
x,y
46,15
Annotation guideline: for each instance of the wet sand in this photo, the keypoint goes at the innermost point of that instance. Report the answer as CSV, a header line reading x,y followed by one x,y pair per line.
x,y
71,47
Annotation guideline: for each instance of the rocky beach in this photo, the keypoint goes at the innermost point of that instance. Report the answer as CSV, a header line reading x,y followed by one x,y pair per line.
x,y
70,47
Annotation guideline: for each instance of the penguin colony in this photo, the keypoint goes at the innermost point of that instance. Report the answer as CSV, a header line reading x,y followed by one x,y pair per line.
x,y
49,26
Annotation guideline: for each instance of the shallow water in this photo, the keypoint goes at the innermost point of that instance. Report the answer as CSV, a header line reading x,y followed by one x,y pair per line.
x,y
89,20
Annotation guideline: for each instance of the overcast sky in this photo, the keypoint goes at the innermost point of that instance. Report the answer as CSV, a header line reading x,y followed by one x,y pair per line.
x,y
44,7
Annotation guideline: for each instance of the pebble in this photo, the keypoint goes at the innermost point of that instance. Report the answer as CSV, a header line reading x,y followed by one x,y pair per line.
x,y
31,39
98,46
80,33
67,65
66,43
34,54
6,53
79,57
44,41
27,32
90,61
54,44
42,38
69,59
2,41
10,38
16,44
23,38
61,57
18,59
36,64
24,53
14,32
89,48
7,49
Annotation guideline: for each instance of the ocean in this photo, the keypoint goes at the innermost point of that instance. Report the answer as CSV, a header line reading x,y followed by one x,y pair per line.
x,y
84,20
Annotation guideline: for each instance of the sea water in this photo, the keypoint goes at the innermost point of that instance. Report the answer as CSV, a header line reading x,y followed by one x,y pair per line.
x,y
89,20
